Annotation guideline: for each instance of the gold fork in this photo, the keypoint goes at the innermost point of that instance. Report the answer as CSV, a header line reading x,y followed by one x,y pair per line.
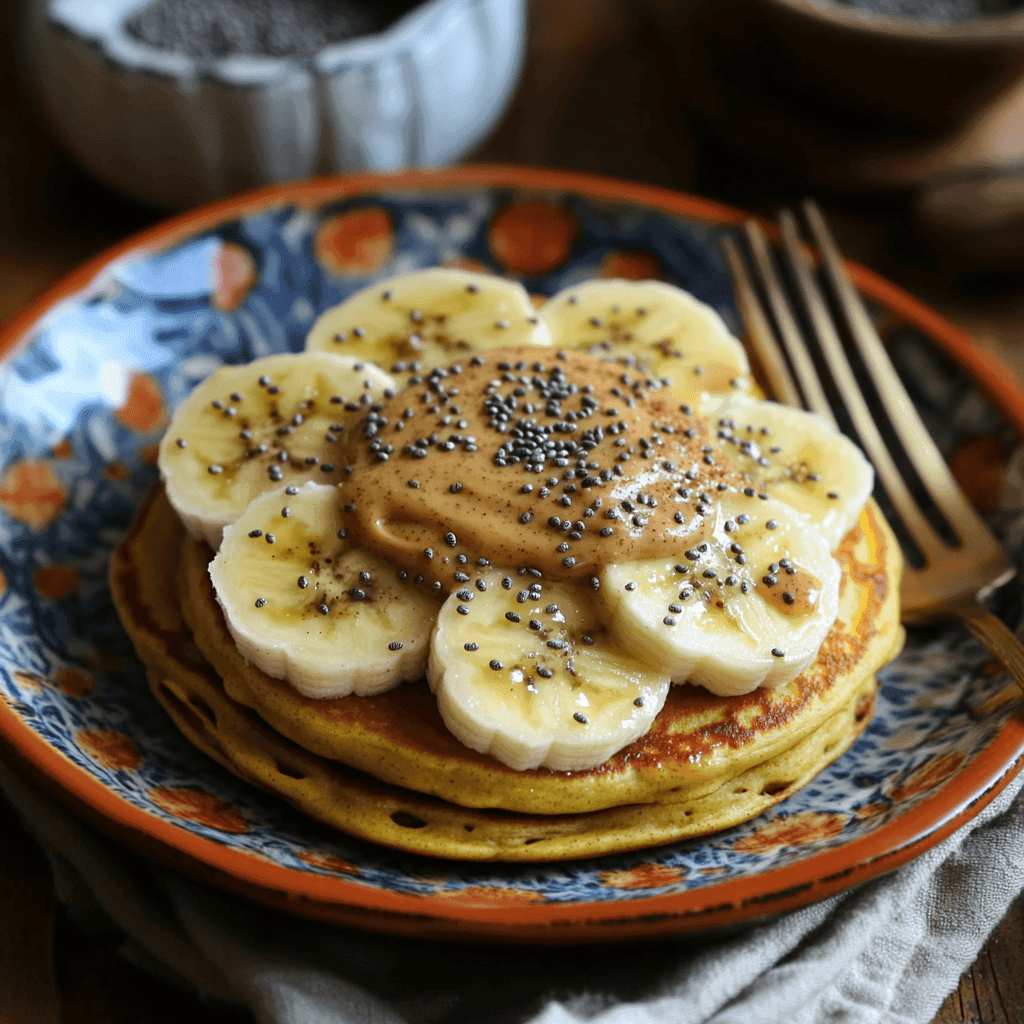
x,y
954,579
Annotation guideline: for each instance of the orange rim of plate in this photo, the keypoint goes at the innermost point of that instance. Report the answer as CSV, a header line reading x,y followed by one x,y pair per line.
x,y
344,902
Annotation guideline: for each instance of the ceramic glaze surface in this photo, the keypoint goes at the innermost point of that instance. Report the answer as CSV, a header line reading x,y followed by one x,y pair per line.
x,y
85,400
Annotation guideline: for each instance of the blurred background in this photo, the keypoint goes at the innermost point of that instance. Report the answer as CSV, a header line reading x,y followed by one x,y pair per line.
x,y
905,118
910,129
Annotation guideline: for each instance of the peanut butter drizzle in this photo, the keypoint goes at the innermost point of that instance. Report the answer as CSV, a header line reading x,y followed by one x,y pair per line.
x,y
795,591
327,574
530,458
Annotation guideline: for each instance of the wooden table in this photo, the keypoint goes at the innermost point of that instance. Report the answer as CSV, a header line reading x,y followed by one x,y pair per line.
x,y
594,98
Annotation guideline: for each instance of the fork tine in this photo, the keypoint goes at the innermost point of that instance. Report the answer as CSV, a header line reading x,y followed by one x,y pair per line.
x,y
924,535
773,362
789,331
915,438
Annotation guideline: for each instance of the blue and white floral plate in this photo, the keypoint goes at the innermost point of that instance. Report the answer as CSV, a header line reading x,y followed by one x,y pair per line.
x,y
93,372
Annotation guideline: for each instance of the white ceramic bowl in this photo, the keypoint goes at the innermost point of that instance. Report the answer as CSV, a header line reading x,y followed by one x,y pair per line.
x,y
173,131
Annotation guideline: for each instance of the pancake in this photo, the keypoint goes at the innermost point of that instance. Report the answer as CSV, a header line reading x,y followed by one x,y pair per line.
x,y
361,806
385,769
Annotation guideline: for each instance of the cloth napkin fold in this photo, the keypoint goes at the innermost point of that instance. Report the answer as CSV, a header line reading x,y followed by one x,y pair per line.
x,y
889,950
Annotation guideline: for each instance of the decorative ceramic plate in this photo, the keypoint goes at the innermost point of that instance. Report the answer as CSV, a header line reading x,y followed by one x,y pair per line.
x,y
96,367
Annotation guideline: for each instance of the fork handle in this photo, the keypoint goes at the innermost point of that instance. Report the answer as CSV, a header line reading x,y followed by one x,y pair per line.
x,y
996,637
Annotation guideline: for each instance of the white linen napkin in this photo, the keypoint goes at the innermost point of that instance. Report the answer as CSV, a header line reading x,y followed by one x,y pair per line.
x,y
889,951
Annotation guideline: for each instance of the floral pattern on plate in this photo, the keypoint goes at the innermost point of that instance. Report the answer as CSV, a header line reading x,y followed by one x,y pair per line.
x,y
82,406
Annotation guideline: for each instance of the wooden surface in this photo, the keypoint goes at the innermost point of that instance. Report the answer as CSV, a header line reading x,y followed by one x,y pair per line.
x,y
594,97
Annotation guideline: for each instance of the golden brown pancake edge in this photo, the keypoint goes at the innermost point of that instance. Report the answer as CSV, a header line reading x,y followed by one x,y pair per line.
x,y
699,741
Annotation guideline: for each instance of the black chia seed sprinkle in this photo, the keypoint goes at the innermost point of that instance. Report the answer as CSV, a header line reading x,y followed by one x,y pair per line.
x,y
207,29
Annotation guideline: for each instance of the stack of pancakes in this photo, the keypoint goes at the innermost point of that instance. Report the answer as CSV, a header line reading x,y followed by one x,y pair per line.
x,y
386,769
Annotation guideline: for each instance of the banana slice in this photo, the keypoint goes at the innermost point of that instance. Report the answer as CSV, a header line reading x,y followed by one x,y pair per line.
x,y
305,606
247,429
747,606
656,327
412,323
529,675
797,457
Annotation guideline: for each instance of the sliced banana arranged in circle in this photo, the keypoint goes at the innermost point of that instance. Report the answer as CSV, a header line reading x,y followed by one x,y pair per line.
x,y
534,673
304,605
249,429
653,326
798,457
417,321
527,674
747,606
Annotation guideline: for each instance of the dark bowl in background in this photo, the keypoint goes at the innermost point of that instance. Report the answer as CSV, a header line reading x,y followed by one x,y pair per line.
x,y
850,102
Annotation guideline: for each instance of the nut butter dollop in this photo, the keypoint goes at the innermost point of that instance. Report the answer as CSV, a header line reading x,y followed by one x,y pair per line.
x,y
531,458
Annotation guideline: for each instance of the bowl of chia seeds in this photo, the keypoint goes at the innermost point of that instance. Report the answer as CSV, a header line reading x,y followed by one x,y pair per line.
x,y
177,102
